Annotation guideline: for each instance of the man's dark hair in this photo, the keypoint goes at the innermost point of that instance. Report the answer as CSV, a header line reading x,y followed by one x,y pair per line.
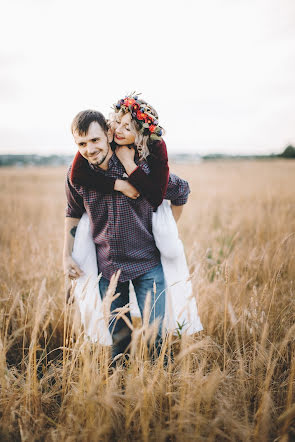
x,y
83,119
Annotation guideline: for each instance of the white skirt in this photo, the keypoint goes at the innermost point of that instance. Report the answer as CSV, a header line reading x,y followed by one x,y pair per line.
x,y
181,313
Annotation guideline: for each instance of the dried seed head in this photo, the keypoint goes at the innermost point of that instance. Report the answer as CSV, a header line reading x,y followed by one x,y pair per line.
x,y
227,273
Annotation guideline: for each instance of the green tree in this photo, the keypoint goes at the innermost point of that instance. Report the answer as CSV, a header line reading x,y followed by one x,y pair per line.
x,y
289,152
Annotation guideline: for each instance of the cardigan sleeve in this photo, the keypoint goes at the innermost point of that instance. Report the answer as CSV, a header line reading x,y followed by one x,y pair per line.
x,y
82,175
153,186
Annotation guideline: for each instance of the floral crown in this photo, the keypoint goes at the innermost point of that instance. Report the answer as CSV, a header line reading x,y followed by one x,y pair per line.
x,y
141,113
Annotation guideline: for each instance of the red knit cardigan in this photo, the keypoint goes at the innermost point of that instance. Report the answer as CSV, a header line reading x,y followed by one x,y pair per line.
x,y
152,186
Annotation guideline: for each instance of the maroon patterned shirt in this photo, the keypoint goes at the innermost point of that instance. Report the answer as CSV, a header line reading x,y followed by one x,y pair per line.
x,y
121,227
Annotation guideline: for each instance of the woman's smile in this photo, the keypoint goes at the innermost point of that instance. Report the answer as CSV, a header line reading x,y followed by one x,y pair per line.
x,y
119,138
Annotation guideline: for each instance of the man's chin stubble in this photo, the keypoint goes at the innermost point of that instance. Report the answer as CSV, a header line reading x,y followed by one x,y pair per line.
x,y
103,160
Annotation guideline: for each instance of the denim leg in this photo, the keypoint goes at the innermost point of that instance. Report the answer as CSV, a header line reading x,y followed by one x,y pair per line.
x,y
153,282
119,330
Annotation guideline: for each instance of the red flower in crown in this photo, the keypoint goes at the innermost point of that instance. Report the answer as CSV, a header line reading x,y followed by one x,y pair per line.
x,y
135,107
129,101
140,115
152,128
148,120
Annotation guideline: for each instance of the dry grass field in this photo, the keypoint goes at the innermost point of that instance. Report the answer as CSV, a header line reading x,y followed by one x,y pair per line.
x,y
232,382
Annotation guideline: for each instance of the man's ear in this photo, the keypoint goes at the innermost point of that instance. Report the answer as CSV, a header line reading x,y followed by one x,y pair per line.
x,y
110,135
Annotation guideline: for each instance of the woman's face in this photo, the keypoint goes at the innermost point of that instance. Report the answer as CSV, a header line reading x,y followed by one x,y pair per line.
x,y
124,134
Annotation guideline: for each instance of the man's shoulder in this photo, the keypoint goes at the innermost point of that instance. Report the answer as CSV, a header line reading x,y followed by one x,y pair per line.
x,y
143,163
69,182
68,174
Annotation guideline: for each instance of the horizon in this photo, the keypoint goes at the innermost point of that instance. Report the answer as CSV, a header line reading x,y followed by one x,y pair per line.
x,y
173,154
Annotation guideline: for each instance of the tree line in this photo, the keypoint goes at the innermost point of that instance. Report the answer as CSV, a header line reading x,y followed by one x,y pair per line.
x,y
65,160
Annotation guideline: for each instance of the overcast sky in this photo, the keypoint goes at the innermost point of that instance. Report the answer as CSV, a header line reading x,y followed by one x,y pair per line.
x,y
221,73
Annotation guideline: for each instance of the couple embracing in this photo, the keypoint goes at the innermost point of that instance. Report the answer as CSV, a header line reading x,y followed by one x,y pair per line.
x,y
119,180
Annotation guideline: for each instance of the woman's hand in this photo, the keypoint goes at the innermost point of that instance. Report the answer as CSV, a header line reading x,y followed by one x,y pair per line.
x,y
126,154
126,188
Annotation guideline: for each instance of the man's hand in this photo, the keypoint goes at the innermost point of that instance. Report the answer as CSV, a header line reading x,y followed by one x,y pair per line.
x,y
126,154
71,268
126,188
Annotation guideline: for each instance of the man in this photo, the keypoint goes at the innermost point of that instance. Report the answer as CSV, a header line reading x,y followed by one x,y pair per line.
x,y
121,226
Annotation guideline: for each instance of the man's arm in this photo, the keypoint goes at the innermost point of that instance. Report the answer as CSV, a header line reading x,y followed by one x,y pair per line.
x,y
71,268
177,192
176,211
74,211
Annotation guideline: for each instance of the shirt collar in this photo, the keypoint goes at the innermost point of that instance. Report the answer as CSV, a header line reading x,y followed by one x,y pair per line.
x,y
113,160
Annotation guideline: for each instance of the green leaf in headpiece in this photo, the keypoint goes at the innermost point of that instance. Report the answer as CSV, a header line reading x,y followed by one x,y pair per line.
x,y
155,137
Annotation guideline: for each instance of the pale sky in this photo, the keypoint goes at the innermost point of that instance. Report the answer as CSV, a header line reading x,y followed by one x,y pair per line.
x,y
221,73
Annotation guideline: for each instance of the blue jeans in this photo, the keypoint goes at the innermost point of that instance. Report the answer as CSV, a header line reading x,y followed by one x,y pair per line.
x,y
154,282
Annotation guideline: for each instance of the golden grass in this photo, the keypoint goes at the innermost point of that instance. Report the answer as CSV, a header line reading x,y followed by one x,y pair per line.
x,y
234,381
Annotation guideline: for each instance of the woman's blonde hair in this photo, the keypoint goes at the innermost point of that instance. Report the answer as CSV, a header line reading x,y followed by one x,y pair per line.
x,y
142,140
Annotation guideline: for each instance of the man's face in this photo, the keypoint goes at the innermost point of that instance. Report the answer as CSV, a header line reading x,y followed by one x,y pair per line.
x,y
94,146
